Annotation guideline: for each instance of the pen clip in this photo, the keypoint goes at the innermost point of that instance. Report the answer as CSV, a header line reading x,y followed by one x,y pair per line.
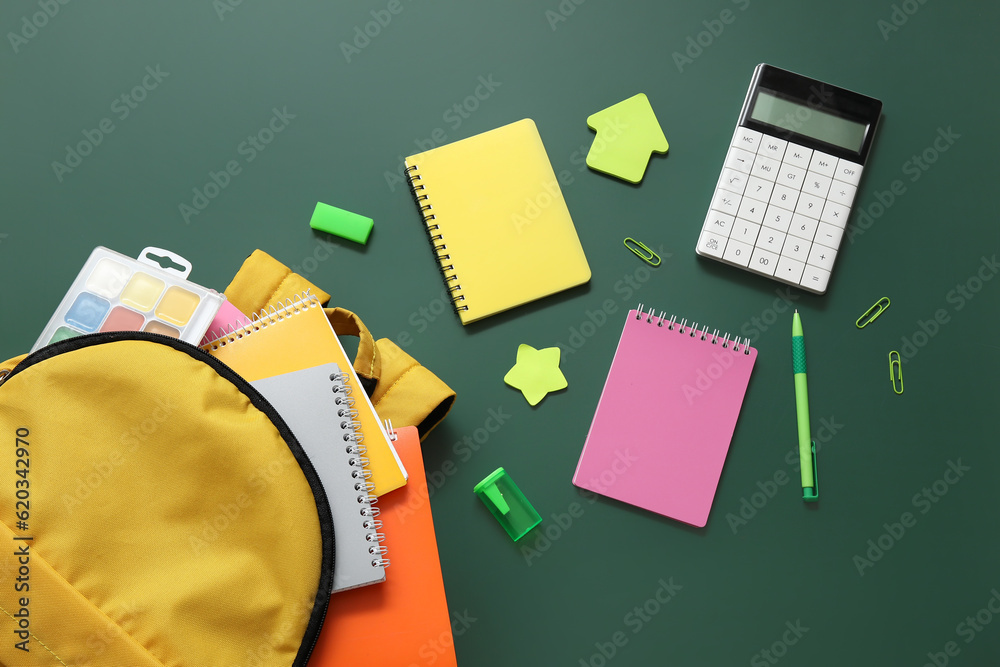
x,y
811,494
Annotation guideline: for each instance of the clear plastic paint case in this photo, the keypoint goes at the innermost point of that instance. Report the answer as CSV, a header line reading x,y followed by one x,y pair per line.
x,y
117,293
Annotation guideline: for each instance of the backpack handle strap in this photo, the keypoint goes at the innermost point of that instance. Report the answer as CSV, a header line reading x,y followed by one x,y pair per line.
x,y
368,362
399,387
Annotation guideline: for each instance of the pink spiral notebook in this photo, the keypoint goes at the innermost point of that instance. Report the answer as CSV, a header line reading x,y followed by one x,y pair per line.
x,y
666,417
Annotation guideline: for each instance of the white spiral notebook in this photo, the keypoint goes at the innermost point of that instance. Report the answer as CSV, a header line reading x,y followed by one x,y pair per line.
x,y
316,405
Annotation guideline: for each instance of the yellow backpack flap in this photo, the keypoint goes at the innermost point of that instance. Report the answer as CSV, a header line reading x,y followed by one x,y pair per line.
x,y
156,511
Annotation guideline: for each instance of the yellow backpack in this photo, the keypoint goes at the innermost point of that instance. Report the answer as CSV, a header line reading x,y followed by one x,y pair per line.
x,y
155,511
159,511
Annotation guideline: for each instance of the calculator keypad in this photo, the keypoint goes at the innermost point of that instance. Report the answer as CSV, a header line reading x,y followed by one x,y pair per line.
x,y
780,209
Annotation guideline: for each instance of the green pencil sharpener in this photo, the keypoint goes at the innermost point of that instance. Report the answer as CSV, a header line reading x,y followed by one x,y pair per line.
x,y
507,504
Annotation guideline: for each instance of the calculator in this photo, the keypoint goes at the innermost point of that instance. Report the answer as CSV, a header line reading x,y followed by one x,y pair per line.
x,y
789,178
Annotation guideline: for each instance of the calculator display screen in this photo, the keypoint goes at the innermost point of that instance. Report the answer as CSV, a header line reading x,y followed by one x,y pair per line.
x,y
808,121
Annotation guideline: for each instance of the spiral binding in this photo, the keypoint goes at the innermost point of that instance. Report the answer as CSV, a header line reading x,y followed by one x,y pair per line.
x,y
438,245
360,472
692,330
270,316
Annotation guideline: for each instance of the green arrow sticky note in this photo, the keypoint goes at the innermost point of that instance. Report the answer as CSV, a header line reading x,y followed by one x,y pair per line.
x,y
627,135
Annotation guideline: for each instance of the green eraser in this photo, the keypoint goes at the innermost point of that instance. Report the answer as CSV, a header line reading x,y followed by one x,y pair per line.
x,y
339,222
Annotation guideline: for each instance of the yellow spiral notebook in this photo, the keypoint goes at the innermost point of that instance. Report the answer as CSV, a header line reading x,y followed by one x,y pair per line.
x,y
497,220
295,336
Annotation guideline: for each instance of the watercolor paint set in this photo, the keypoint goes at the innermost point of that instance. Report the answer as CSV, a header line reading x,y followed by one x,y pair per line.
x,y
114,292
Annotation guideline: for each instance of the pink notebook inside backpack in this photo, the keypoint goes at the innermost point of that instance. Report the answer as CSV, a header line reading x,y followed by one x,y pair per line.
x,y
666,416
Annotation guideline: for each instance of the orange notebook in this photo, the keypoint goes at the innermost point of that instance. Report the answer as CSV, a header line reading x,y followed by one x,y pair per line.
x,y
297,336
405,620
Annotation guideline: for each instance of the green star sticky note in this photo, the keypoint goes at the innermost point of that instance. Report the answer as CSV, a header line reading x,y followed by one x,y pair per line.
x,y
339,222
536,373
627,135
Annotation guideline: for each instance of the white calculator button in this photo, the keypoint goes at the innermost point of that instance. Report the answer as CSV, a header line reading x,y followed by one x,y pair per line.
x,y
822,256
797,156
739,160
746,139
711,244
771,147
759,189
795,248
835,214
770,240
803,226
810,205
719,224
726,202
732,181
765,167
745,232
763,262
784,196
738,253
815,278
817,184
823,164
752,210
842,193
789,269
777,218
849,172
829,235
791,176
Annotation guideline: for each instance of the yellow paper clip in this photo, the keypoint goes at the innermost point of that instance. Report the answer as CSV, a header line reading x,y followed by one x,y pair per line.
x,y
872,313
895,372
642,252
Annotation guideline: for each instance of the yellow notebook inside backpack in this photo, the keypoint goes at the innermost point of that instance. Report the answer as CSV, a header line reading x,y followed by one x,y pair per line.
x,y
297,336
497,220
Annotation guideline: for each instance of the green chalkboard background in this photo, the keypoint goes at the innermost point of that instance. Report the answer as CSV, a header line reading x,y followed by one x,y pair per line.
x,y
786,581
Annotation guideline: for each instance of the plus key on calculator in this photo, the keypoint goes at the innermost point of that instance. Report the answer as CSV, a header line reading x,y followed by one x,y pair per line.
x,y
789,178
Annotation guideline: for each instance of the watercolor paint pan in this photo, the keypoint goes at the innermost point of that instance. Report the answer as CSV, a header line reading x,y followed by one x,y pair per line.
x,y
114,292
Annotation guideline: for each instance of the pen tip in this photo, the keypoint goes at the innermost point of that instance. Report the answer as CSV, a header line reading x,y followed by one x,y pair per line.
x,y
796,311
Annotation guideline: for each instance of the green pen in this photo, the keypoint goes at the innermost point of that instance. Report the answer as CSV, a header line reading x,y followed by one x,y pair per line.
x,y
807,448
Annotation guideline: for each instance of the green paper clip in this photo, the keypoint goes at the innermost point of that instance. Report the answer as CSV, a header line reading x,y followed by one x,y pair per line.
x,y
872,313
895,372
642,252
